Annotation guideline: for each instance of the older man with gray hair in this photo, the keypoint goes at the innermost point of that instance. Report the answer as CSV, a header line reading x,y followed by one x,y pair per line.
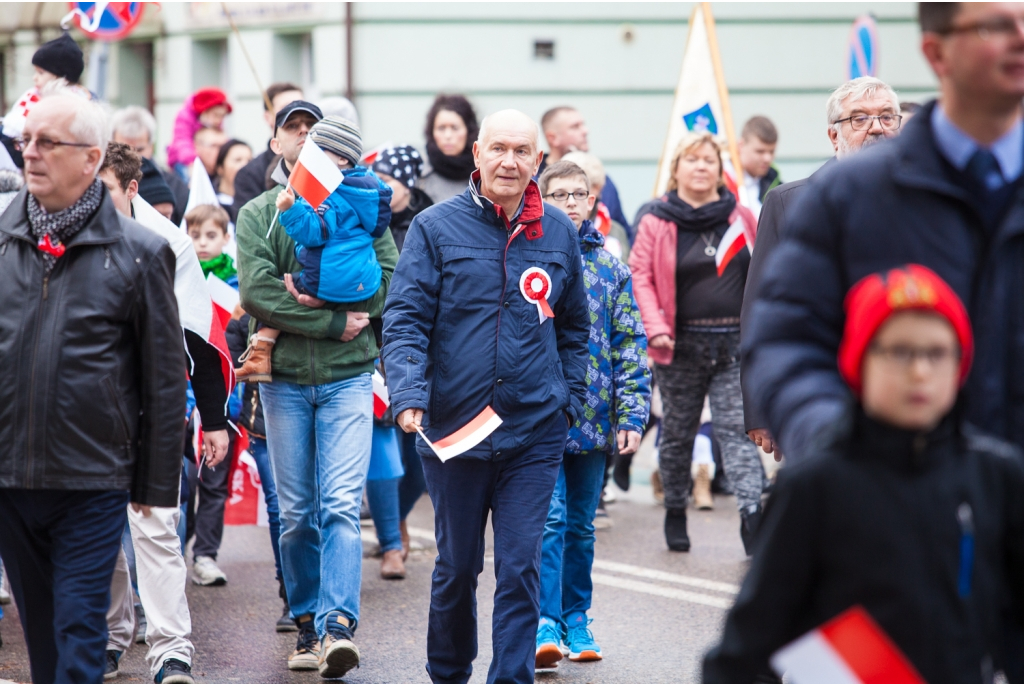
x,y
487,315
860,113
91,382
136,127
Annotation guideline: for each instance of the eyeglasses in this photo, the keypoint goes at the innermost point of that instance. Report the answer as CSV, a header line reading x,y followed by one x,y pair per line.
x,y
904,356
1001,27
862,122
562,195
44,144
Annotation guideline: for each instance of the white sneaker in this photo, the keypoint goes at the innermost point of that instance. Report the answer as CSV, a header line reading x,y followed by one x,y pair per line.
x,y
5,595
206,572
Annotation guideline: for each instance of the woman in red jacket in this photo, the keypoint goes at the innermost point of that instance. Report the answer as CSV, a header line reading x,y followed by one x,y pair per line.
x,y
689,267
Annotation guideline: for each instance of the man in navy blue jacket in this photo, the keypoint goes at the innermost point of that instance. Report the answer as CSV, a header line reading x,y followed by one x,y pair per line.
x,y
948,194
461,335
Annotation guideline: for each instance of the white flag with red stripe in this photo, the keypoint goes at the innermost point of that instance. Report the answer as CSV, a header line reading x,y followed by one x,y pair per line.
x,y
315,176
734,240
381,398
467,437
851,648
196,311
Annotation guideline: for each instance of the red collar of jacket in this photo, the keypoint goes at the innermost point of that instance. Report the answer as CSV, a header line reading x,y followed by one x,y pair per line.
x,y
530,213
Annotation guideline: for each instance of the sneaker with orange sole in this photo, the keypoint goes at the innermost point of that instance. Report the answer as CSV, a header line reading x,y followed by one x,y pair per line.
x,y
549,637
580,640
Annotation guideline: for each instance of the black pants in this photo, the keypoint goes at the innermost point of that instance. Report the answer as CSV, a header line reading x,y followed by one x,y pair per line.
x,y
516,492
59,548
207,523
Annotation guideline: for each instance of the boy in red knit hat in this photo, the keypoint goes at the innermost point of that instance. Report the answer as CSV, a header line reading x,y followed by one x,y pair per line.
x,y
907,512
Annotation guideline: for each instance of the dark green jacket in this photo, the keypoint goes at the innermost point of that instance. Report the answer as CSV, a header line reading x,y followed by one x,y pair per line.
x,y
309,350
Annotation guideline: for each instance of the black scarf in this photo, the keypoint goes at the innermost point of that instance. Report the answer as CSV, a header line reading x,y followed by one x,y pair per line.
x,y
713,216
60,226
453,167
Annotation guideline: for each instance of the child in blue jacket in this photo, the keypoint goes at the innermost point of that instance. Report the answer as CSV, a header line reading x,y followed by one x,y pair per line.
x,y
334,242
615,412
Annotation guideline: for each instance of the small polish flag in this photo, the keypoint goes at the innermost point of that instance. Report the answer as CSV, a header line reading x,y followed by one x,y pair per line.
x,y
371,155
225,299
467,437
734,240
850,648
315,176
381,399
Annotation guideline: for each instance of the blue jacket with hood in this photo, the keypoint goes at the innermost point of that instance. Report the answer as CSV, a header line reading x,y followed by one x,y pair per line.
x,y
458,334
334,242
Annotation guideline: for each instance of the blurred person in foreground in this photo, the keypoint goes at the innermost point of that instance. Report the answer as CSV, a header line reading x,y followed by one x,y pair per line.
x,y
908,513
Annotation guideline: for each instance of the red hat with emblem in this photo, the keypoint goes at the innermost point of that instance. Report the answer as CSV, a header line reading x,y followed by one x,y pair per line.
x,y
871,302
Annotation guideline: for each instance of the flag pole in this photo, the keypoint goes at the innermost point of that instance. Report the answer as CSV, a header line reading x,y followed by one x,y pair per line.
x,y
252,67
277,213
723,93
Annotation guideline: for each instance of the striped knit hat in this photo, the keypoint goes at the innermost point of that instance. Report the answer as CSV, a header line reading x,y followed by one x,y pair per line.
x,y
340,136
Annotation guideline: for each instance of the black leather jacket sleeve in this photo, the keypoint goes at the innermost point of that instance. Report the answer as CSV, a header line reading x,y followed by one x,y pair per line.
x,y
160,342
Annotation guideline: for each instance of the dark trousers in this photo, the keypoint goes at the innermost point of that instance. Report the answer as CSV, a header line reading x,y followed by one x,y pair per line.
x,y
412,485
211,488
516,491
59,548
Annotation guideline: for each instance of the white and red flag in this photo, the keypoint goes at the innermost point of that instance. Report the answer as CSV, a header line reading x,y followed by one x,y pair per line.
x,y
467,437
850,648
734,240
246,505
196,310
315,176
381,398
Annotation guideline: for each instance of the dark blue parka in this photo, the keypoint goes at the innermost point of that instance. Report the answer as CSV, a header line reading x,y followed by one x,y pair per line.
x,y
459,335
885,207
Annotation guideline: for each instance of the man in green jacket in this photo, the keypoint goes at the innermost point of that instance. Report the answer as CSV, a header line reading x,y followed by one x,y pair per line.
x,y
318,413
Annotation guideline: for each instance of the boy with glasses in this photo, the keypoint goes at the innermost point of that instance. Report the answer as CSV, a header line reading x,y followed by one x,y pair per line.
x,y
617,408
903,511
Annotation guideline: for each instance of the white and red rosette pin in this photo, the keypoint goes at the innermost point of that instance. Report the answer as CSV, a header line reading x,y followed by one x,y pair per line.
x,y
535,284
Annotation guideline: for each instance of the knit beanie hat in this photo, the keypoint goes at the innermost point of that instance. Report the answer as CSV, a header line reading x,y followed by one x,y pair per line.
x,y
61,57
871,302
402,163
340,136
208,98
153,188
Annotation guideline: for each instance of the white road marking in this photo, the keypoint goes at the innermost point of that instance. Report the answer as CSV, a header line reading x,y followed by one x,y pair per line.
x,y
666,577
651,589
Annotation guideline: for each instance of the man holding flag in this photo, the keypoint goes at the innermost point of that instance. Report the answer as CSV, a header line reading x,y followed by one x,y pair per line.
x,y
317,412
485,347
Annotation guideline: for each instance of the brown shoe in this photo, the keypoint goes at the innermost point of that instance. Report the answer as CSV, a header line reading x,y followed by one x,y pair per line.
x,y
255,361
702,477
391,566
405,539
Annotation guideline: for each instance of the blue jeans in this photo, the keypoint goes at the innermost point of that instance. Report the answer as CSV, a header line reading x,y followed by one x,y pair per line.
x,y
383,496
319,439
61,547
516,492
567,554
258,450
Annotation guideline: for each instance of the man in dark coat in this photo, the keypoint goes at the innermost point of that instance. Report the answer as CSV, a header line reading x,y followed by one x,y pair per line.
x,y
864,96
487,310
92,388
945,194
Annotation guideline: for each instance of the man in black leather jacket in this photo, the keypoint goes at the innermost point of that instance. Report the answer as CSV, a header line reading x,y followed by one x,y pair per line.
x,y
91,379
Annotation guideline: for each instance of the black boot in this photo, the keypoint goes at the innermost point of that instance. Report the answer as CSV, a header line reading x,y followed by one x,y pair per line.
x,y
620,471
285,624
749,523
675,530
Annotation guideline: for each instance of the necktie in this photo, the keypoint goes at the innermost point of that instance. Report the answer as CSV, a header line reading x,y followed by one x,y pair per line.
x,y
984,170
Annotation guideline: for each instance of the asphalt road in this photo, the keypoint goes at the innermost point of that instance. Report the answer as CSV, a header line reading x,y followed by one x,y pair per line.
x,y
655,612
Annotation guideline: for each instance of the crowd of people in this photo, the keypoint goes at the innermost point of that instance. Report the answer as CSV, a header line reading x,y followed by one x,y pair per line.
x,y
861,321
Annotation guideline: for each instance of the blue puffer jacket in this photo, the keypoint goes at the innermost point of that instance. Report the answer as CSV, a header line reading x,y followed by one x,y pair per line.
x,y
334,243
895,204
459,335
618,378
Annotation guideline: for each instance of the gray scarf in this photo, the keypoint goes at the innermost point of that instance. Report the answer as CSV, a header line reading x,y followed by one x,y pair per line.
x,y
60,226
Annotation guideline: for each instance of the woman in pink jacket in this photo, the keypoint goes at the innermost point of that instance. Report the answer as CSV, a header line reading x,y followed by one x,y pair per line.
x,y
206,108
689,266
